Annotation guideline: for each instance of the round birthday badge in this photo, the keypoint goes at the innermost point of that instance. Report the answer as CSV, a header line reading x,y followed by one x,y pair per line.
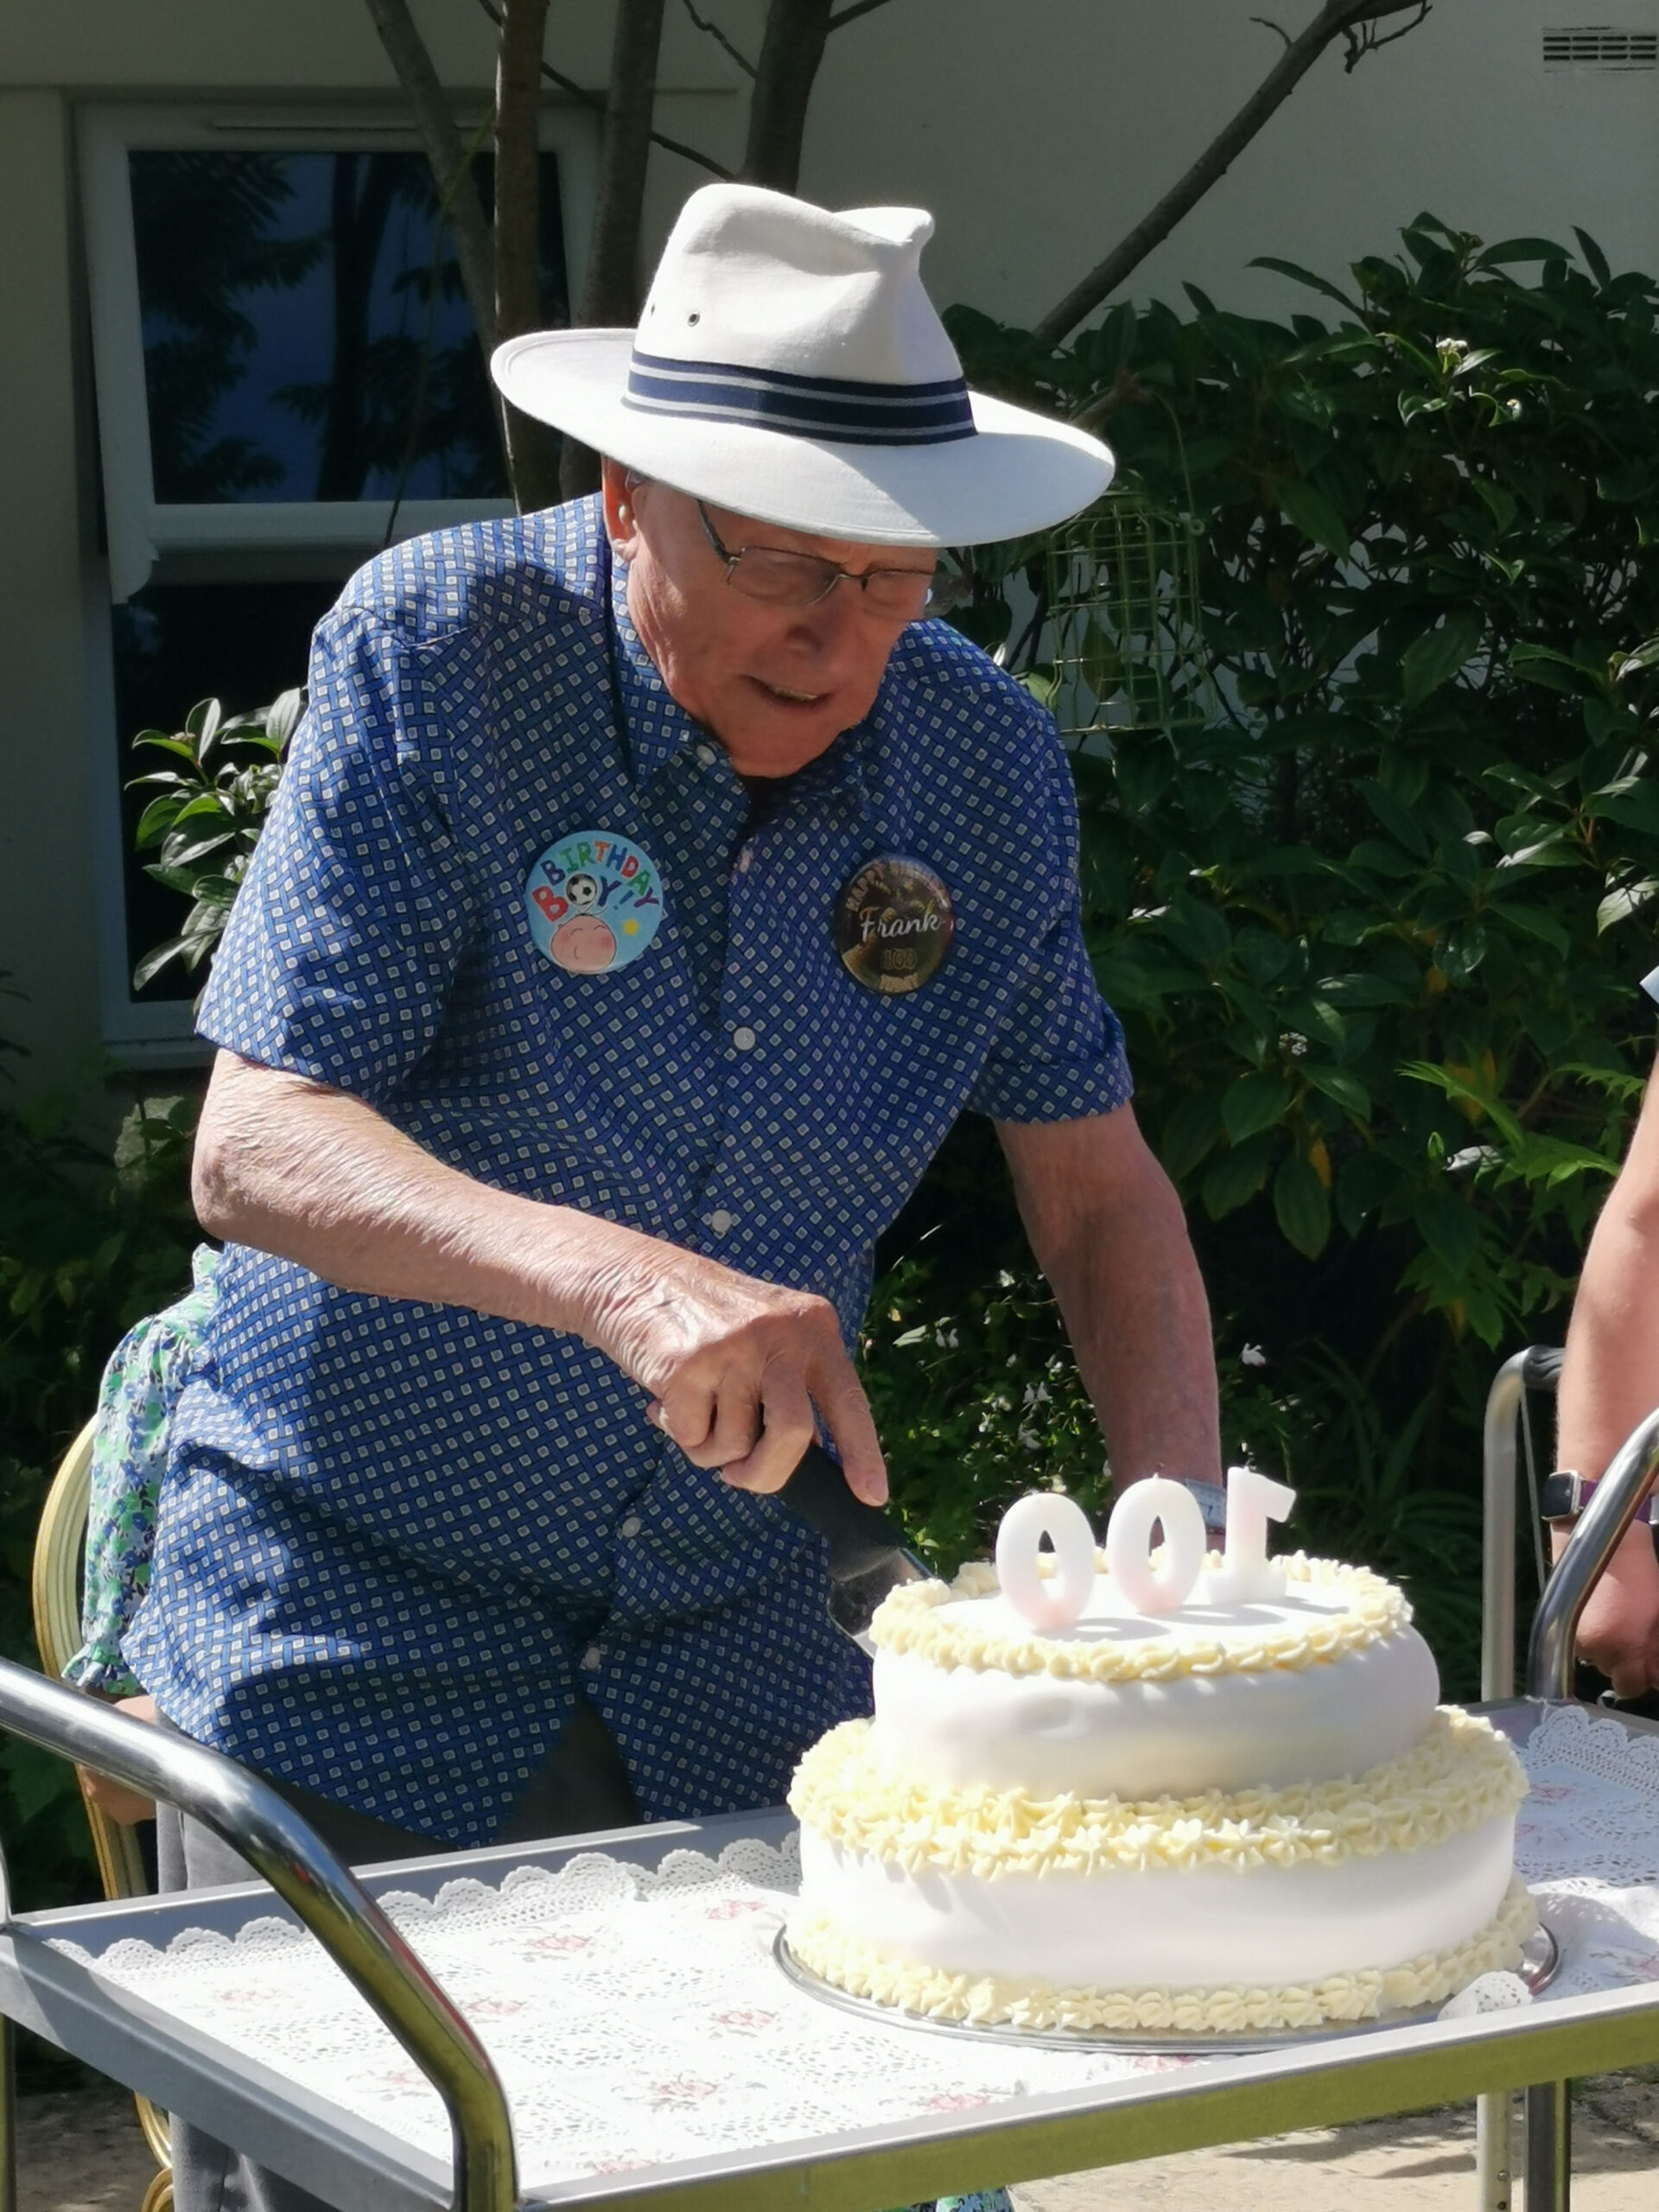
x,y
893,925
594,901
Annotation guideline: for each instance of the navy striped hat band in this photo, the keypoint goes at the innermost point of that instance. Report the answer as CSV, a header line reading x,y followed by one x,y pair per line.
x,y
833,407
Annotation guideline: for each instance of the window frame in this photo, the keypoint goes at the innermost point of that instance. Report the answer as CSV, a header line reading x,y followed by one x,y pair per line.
x,y
146,540
142,531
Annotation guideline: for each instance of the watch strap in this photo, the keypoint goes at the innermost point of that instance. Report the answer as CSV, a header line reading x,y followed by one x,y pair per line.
x,y
1566,1492
1212,1503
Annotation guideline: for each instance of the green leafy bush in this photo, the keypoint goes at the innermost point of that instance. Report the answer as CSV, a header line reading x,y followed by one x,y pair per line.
x,y
206,814
1375,929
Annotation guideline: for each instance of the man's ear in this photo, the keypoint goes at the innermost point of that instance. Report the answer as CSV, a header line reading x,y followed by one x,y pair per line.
x,y
617,488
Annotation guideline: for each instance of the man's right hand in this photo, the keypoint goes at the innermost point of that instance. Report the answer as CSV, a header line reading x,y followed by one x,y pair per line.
x,y
1618,1632
735,1367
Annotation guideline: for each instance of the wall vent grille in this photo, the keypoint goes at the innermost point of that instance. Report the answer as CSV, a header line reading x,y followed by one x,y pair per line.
x,y
1599,45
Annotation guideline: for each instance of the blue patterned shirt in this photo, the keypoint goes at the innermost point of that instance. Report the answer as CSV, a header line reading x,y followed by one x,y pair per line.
x,y
394,1535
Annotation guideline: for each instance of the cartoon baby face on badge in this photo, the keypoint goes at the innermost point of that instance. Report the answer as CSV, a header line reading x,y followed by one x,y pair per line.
x,y
595,902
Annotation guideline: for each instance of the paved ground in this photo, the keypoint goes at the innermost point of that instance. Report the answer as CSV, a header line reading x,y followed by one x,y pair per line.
x,y
80,2150
1418,2164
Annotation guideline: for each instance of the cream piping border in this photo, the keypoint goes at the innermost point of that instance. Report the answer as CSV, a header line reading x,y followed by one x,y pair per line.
x,y
858,1967
1461,1774
908,1620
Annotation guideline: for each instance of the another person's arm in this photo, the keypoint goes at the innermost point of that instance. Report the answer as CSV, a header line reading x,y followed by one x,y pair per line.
x,y
317,1175
1107,1230
1608,1384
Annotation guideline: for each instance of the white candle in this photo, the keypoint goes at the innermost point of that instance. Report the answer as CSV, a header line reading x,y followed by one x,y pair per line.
x,y
1054,1600
1129,1545
1246,1574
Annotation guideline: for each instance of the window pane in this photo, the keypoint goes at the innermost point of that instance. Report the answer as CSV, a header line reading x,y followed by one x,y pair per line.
x,y
306,335
175,644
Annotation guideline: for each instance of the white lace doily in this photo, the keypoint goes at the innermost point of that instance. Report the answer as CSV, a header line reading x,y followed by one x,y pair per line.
x,y
638,2019
1587,1841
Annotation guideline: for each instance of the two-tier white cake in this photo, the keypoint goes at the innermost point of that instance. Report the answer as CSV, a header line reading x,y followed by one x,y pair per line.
x,y
1234,1816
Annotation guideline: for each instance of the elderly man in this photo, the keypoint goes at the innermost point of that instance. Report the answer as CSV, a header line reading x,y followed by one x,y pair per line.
x,y
1609,1382
650,888
648,892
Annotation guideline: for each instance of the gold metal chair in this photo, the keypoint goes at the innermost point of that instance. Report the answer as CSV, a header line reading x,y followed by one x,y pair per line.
x,y
59,1545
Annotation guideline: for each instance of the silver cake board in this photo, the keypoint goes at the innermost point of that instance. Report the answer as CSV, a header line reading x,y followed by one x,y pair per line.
x,y
1541,1961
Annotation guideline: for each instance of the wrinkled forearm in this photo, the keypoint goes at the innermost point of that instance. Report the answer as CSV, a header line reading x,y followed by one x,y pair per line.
x,y
317,1176
735,1366
1107,1230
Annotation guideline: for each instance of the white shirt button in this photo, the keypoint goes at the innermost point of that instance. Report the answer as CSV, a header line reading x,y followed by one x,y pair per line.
x,y
720,1221
593,1656
744,1039
633,1525
708,755
745,860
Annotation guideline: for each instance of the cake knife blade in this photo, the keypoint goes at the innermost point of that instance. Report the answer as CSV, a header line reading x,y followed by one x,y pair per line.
x,y
869,1555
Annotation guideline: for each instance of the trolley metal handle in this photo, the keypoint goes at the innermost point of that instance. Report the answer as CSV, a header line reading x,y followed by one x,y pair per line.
x,y
249,1816
1594,1540
1538,1368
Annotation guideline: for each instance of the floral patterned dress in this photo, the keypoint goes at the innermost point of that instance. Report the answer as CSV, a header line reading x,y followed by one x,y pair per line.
x,y
142,1384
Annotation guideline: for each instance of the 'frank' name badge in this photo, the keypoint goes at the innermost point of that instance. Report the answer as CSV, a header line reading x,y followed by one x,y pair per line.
x,y
893,925
595,902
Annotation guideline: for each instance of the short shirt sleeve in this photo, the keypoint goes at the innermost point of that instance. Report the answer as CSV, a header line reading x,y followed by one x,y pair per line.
x,y
345,935
1650,984
1059,1056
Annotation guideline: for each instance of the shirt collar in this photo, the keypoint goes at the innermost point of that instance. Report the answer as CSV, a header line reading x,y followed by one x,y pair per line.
x,y
655,727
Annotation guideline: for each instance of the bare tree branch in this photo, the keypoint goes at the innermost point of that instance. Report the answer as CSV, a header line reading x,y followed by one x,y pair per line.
x,y
851,14
1278,29
1367,40
789,54
719,36
532,448
589,98
440,142
1334,18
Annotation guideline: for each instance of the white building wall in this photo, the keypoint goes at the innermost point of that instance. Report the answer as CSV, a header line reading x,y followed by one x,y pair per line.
x,y
1040,131
1037,130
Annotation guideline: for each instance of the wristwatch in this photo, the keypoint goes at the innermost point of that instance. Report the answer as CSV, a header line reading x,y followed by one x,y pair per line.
x,y
1212,1503
1566,1493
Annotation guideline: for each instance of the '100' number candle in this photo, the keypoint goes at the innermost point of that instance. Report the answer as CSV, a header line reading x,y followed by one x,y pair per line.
x,y
1054,1599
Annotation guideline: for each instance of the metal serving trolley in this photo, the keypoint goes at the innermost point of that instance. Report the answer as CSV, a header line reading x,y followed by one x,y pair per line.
x,y
176,2062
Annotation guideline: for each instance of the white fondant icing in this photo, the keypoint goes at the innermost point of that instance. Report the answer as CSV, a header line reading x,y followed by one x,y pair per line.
x,y
1110,1617
1023,1736
1193,1928
1052,1736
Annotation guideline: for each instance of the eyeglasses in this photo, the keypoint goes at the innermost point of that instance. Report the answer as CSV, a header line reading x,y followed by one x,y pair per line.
x,y
783,579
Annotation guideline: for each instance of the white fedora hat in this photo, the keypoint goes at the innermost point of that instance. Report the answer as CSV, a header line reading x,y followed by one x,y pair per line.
x,y
789,365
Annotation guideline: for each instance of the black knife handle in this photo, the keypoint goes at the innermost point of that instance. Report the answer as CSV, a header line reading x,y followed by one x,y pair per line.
x,y
860,1537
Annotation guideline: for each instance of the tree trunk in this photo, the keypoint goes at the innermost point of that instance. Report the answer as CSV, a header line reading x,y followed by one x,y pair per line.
x,y
610,297
357,226
1334,17
441,143
532,447
790,54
